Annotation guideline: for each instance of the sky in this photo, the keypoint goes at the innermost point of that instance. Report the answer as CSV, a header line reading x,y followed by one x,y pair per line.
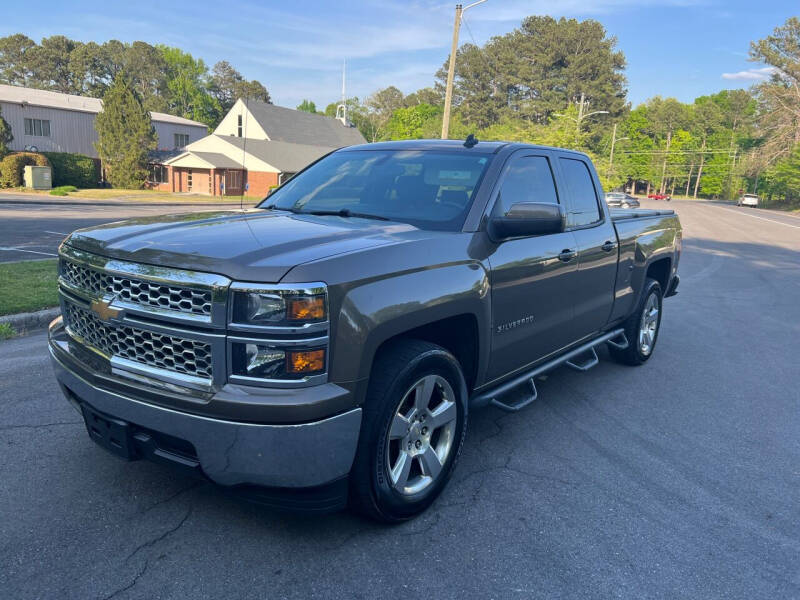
x,y
678,48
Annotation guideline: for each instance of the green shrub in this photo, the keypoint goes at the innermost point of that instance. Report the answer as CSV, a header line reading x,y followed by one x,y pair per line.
x,y
63,190
6,331
13,166
73,169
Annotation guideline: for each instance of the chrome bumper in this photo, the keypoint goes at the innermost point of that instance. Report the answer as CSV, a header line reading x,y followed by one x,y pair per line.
x,y
229,452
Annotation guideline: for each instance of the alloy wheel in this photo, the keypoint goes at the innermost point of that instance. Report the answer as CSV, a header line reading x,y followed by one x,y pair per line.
x,y
421,435
649,325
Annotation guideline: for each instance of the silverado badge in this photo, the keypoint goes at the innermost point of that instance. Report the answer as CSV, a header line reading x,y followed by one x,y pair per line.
x,y
513,324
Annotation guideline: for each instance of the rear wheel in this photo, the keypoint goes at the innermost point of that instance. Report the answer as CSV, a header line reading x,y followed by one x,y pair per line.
x,y
412,431
642,327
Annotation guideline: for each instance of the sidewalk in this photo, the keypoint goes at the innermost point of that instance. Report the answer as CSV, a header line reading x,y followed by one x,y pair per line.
x,y
126,200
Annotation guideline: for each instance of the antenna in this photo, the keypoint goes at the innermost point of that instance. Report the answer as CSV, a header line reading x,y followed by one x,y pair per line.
x,y
341,110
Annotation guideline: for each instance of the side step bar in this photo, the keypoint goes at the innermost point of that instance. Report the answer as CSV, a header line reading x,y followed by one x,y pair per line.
x,y
591,361
616,338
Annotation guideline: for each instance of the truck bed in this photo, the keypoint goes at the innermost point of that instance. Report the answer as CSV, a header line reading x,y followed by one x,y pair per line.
x,y
624,214
644,235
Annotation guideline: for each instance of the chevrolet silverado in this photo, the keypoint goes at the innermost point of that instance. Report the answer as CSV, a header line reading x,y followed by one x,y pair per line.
x,y
326,347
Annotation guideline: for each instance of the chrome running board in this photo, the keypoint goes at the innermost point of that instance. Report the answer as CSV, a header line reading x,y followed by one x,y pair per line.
x,y
494,395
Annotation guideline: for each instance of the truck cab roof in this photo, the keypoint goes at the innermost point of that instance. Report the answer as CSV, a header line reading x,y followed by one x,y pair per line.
x,y
490,147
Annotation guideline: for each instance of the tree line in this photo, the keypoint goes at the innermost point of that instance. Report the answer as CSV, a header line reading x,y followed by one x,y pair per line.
x,y
561,82
558,82
166,79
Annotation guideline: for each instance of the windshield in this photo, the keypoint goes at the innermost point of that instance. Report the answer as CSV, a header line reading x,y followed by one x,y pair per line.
x,y
428,189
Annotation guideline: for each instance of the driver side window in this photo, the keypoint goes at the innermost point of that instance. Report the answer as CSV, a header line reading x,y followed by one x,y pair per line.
x,y
527,179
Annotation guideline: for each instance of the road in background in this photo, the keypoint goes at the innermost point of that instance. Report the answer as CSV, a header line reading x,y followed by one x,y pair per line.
x,y
677,479
34,230
776,216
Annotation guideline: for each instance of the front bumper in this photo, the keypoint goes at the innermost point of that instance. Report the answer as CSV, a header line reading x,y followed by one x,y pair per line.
x,y
229,452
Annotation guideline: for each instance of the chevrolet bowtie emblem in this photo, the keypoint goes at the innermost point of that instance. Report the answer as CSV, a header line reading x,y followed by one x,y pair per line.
x,y
102,308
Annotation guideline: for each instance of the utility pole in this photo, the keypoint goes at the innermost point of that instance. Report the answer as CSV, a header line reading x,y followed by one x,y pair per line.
x,y
613,141
730,173
451,71
581,105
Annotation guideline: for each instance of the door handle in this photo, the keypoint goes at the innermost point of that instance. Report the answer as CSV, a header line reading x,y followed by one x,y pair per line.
x,y
566,255
609,246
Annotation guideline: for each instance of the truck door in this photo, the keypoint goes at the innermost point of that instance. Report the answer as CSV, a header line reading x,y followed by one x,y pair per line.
x,y
597,246
531,311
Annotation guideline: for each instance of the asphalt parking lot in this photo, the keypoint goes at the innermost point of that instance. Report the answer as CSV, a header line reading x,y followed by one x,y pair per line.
x,y
678,479
30,231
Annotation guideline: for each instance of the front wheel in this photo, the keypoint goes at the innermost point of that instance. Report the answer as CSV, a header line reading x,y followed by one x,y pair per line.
x,y
412,431
642,327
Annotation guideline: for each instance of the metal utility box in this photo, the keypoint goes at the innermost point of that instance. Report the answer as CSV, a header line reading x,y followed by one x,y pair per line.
x,y
38,178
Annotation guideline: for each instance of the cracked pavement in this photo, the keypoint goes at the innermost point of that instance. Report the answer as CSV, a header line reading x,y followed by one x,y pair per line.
x,y
677,479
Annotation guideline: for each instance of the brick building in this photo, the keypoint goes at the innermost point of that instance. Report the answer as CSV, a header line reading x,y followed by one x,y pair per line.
x,y
256,147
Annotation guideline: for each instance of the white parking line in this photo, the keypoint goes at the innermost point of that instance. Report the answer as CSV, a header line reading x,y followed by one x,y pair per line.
x,y
8,249
56,232
739,212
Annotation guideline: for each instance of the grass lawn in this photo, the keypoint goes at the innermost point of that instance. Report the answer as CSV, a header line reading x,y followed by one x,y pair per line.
x,y
27,286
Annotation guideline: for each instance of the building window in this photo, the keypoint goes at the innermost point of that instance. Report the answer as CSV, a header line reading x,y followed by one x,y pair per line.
x,y
158,174
37,127
240,125
181,140
284,177
189,179
233,180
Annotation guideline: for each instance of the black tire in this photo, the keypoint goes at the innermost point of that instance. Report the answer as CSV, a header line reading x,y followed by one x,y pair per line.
x,y
396,370
635,354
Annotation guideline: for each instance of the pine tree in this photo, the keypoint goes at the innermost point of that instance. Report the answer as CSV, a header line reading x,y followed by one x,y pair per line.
x,y
125,135
6,136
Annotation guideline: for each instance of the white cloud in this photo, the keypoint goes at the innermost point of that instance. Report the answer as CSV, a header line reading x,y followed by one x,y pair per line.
x,y
761,74
516,10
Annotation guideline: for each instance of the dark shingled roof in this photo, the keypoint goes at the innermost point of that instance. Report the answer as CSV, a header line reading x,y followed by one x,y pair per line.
x,y
286,157
299,127
162,156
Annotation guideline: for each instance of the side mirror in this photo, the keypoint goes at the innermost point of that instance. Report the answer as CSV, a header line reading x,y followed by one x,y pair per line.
x,y
527,218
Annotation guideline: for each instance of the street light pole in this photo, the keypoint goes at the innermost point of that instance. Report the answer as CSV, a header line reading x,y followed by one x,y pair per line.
x,y
451,71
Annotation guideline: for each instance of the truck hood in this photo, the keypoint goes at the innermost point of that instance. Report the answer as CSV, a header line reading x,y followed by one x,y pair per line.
x,y
254,245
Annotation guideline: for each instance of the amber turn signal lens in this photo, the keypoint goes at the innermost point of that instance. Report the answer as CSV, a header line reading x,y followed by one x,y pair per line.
x,y
305,361
306,308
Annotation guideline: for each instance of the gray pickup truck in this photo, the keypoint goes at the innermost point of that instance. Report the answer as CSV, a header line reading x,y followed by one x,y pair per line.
x,y
326,347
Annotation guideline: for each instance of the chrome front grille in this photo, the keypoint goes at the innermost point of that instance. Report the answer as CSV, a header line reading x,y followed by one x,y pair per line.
x,y
137,291
169,352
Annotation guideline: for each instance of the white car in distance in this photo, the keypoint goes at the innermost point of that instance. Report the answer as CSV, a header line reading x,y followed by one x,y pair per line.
x,y
748,200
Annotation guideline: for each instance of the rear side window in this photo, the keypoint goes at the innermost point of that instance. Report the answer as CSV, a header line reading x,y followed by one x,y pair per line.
x,y
583,207
528,179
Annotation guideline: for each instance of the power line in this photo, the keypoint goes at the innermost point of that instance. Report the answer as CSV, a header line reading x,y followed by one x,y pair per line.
x,y
669,152
481,51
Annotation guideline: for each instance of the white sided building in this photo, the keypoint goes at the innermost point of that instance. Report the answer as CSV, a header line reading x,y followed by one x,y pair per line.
x,y
45,121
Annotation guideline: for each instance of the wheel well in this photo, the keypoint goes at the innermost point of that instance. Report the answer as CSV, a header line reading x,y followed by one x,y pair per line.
x,y
659,270
458,335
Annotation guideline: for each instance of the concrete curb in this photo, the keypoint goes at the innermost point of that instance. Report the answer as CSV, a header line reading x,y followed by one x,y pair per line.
x,y
30,321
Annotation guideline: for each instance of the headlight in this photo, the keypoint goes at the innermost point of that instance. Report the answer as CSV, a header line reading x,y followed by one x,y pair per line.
x,y
280,306
278,334
266,361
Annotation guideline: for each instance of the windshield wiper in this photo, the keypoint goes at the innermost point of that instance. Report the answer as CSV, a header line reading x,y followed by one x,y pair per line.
x,y
342,212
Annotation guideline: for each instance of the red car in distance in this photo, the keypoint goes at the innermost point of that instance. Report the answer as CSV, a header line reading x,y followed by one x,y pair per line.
x,y
666,197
